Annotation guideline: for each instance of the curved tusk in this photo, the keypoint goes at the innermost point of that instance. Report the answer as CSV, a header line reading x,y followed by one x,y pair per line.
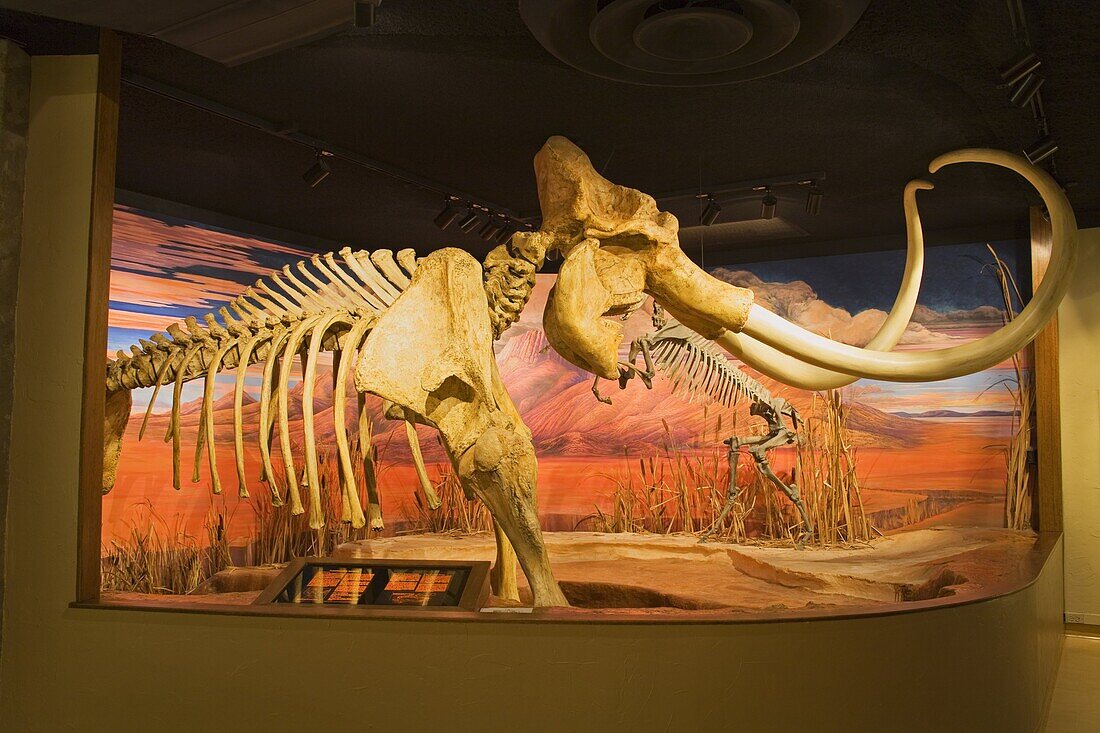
x,y
797,373
925,366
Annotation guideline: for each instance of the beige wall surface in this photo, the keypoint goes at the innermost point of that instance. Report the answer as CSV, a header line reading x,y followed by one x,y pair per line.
x,y
1079,335
977,667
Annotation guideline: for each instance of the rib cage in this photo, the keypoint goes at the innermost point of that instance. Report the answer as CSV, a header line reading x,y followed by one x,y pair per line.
x,y
319,304
361,284
697,366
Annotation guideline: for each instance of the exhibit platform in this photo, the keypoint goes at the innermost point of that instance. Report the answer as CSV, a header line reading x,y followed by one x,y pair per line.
x,y
966,661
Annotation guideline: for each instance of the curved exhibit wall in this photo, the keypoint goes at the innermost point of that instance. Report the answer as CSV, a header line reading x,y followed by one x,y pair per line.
x,y
976,666
615,478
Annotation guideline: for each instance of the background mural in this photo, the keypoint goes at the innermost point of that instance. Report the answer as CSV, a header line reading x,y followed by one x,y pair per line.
x,y
927,453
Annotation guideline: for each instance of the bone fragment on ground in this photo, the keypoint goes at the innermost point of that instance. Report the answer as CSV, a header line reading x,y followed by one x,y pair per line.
x,y
383,259
267,391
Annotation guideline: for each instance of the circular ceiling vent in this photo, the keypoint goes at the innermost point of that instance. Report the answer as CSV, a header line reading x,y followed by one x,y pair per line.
x,y
686,43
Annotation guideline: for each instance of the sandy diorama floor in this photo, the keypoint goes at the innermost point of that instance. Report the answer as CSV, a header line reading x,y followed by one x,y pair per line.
x,y
673,573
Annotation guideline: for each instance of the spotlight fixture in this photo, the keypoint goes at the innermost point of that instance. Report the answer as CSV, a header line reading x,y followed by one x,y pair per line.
x,y
491,228
450,214
1040,150
472,220
319,171
1026,63
364,12
768,204
711,212
813,199
1024,91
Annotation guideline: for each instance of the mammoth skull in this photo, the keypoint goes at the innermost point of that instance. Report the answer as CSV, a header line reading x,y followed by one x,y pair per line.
x,y
618,247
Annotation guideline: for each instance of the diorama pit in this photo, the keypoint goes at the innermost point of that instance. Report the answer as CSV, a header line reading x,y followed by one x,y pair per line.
x,y
267,402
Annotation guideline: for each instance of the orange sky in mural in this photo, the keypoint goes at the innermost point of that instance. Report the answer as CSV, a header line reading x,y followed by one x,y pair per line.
x,y
164,269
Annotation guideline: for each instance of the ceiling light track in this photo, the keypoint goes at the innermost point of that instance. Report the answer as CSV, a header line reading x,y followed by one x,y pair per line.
x,y
290,133
492,226
736,189
1024,83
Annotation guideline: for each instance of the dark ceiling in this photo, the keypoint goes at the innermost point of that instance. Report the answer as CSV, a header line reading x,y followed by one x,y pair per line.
x,y
462,94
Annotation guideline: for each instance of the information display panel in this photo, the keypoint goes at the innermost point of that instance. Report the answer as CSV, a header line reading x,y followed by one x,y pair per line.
x,y
412,584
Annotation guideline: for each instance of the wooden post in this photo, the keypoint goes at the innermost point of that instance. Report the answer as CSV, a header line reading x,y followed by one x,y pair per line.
x,y
90,499
1048,426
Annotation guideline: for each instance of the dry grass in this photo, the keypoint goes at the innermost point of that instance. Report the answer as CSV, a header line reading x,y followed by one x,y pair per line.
x,y
675,489
1019,472
456,513
281,536
678,489
160,558
156,557
826,474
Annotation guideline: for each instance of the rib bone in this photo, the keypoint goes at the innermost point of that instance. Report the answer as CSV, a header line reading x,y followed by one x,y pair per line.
x,y
421,469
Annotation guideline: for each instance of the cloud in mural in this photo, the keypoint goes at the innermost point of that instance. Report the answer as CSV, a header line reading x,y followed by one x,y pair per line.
x,y
798,302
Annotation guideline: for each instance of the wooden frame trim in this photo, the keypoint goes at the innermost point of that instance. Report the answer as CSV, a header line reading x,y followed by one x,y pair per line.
x,y
90,490
1047,497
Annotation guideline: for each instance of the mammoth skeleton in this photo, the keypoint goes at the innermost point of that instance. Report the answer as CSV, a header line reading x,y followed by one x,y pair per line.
x,y
419,334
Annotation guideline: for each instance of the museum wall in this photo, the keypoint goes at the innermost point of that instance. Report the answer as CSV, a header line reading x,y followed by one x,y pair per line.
x,y
91,669
1079,335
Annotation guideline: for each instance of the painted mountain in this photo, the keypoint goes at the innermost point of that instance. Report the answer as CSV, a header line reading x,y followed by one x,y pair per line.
x,y
913,441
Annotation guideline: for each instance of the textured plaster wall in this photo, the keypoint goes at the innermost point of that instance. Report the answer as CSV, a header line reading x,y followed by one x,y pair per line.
x,y
978,667
1079,335
15,83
